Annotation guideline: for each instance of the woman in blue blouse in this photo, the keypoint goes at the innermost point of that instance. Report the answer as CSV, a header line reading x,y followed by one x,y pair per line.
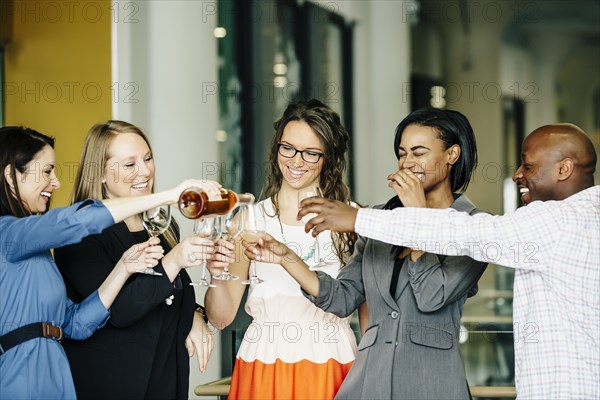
x,y
35,310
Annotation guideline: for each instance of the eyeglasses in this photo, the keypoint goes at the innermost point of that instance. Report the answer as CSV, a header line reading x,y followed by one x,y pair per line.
x,y
310,156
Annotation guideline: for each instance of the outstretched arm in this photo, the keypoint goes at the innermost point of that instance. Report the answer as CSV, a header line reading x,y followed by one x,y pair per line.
x,y
270,250
83,318
511,240
331,215
135,259
340,296
124,207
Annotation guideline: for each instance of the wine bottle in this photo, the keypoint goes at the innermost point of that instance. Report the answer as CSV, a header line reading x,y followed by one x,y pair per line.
x,y
194,203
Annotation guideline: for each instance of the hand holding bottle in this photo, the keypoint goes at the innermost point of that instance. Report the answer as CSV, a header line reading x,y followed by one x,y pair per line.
x,y
195,202
212,189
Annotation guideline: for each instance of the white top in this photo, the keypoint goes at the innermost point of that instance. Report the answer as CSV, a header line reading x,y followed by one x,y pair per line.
x,y
285,324
555,248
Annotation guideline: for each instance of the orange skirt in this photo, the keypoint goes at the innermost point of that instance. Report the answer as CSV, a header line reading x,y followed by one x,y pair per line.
x,y
300,380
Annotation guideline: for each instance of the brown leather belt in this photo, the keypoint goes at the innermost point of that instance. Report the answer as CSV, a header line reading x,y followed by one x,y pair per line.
x,y
28,332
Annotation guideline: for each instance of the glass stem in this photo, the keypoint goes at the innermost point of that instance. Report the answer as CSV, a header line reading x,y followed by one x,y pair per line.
x,y
203,277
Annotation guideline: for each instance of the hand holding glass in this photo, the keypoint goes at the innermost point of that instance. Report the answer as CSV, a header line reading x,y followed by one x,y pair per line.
x,y
228,231
252,226
208,228
156,221
305,193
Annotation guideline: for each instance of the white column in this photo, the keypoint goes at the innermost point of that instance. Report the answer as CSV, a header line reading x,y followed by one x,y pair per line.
x,y
549,50
381,92
166,69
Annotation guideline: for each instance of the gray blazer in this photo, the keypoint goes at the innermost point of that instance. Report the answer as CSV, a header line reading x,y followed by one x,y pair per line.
x,y
410,349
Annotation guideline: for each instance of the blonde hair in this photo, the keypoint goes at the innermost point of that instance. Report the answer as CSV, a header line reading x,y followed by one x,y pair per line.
x,y
92,166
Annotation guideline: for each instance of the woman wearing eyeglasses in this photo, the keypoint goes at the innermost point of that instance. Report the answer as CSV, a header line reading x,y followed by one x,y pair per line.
x,y
292,349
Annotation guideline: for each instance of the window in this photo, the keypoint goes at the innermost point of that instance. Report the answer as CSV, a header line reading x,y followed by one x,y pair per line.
x,y
274,53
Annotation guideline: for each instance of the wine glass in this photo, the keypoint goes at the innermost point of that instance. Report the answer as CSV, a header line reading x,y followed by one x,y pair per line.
x,y
228,231
156,221
305,193
208,228
251,228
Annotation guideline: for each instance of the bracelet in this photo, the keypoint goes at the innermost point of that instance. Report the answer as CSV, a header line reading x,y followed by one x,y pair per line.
x,y
202,312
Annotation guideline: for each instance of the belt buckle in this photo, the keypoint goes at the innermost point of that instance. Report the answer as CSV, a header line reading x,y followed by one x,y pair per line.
x,y
51,331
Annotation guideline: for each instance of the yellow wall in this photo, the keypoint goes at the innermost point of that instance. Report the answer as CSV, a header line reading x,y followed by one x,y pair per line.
x,y
58,75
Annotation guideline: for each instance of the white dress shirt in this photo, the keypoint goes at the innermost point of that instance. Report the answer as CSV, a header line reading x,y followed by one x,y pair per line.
x,y
555,248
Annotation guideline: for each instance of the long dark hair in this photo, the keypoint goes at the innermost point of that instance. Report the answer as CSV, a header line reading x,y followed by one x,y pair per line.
x,y
18,146
328,127
452,128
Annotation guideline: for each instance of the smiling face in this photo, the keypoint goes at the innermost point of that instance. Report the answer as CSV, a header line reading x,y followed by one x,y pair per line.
x,y
537,174
422,152
296,172
37,183
129,170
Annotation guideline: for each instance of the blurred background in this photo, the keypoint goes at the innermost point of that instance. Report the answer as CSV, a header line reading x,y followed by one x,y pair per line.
x,y
207,79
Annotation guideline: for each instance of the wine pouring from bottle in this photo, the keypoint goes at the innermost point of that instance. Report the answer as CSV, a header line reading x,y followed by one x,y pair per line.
x,y
194,203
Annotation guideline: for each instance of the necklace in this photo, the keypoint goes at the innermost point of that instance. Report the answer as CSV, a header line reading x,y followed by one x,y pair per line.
x,y
311,249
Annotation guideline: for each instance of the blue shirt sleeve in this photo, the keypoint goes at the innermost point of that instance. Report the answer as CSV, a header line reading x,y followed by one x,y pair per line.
x,y
22,237
83,319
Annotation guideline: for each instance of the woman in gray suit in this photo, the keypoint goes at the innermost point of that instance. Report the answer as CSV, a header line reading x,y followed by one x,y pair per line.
x,y
415,299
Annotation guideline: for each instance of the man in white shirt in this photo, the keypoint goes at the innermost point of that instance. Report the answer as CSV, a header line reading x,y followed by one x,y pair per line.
x,y
553,244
